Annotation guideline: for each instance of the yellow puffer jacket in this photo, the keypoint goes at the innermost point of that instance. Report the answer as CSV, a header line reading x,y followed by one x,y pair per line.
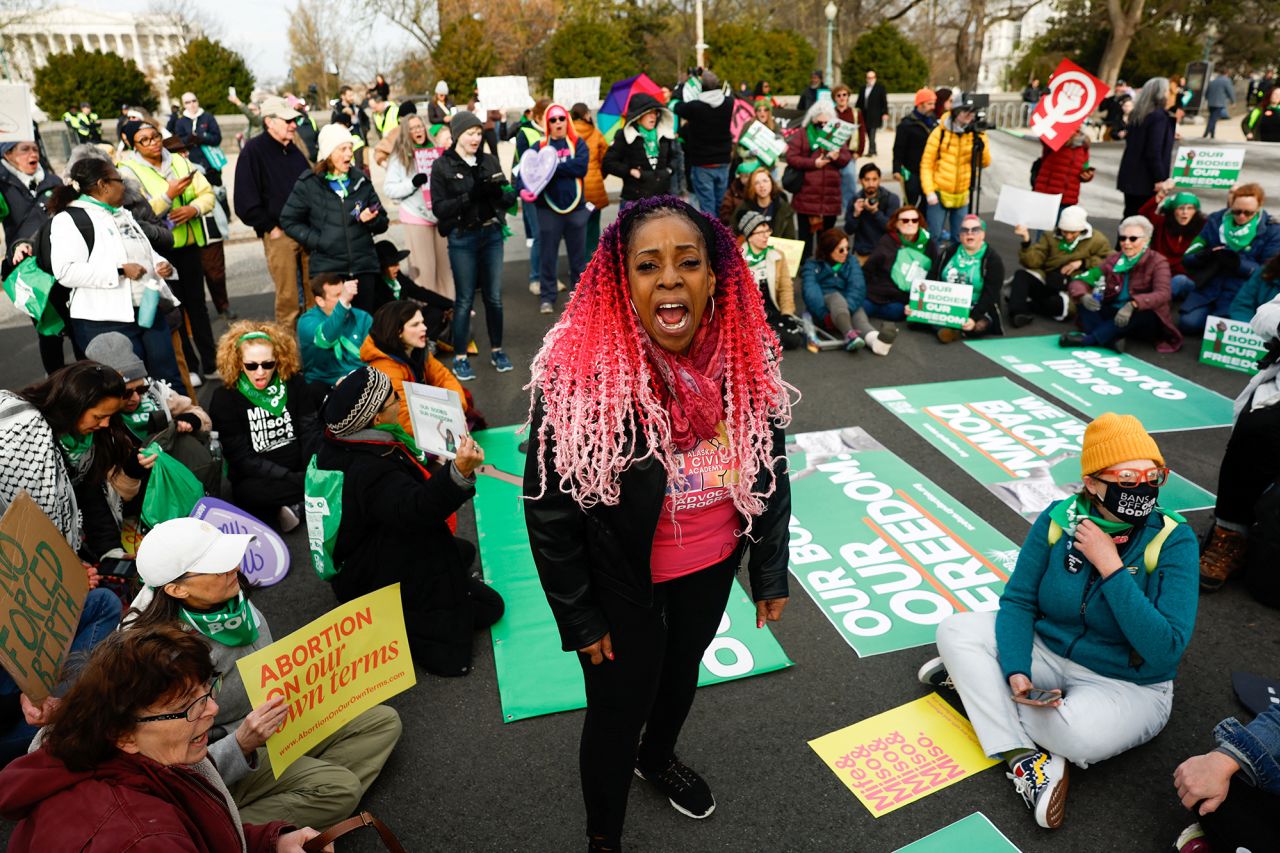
x,y
593,184
945,166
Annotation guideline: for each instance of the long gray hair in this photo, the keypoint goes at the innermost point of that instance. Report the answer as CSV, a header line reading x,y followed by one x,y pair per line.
x,y
1153,96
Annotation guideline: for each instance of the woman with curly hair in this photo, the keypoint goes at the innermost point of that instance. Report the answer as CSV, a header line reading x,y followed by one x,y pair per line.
x,y
655,462
266,420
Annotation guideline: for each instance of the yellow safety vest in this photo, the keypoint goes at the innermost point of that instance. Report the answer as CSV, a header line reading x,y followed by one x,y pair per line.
x,y
80,122
387,120
156,185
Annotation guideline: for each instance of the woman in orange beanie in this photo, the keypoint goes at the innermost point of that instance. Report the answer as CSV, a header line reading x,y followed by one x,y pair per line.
x,y
1078,663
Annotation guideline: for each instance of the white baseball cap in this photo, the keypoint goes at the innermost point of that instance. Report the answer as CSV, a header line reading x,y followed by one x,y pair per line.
x,y
188,546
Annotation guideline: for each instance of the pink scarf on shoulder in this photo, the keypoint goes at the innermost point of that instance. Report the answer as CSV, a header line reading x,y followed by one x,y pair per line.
x,y
691,386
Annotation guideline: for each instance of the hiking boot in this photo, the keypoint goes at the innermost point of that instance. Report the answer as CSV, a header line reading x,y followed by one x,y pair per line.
x,y
949,335
1041,779
1192,840
934,674
1221,558
1071,339
853,341
688,792
462,369
500,362
1020,320
599,844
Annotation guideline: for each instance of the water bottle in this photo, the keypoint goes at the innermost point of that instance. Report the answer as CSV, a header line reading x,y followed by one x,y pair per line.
x,y
149,302
215,446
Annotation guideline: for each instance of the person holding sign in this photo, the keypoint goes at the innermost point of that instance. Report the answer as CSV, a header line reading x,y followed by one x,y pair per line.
x,y
656,455
1127,296
773,276
124,764
973,262
191,572
397,346
641,152
947,168
817,202
394,524
905,253
835,293
266,420
1178,221
1049,263
1077,665
1234,242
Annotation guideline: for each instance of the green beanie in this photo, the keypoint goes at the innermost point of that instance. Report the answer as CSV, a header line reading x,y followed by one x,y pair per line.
x,y
1177,200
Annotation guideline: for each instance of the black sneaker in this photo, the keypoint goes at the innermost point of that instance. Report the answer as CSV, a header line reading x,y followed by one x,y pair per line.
x,y
934,674
688,792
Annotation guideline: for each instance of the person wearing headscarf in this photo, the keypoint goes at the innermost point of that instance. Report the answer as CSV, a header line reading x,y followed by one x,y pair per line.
x,y
1177,220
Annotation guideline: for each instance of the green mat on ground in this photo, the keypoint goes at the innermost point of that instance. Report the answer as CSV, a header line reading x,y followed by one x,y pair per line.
x,y
534,676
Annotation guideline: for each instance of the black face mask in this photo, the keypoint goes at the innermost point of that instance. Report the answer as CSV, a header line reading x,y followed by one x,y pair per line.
x,y
1132,506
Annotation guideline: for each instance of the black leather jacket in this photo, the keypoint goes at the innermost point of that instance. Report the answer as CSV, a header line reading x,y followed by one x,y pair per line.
x,y
575,549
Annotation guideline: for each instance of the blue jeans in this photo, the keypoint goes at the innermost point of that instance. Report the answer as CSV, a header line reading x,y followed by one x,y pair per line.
x,y
476,258
1101,328
886,311
1181,285
848,183
529,215
710,183
154,346
677,168
1214,297
101,616
939,218
552,227
1215,114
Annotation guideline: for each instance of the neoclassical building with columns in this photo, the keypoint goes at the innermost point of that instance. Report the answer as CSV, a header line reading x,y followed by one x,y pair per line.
x,y
27,43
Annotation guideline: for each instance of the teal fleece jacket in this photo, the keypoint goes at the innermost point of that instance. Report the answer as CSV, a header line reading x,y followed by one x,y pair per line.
x,y
323,360
1133,626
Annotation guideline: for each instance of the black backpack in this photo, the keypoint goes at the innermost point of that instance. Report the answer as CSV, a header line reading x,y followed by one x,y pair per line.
x,y
42,249
1035,171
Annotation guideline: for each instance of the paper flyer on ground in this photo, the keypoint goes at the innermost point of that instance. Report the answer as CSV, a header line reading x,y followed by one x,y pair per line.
x,y
535,676
973,834
1231,344
437,418
904,754
1024,449
884,553
940,303
1094,380
1211,168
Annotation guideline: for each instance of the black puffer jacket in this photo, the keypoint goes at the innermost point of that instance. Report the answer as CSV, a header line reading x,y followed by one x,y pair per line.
x,y
26,211
576,549
464,197
327,227
627,152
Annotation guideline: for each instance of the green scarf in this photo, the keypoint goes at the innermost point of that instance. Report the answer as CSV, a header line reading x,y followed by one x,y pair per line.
x,y
813,133
1126,263
837,267
231,624
1239,239
139,420
397,432
76,446
650,139
1068,246
102,204
394,284
911,263
340,184
966,268
753,259
1071,511
272,398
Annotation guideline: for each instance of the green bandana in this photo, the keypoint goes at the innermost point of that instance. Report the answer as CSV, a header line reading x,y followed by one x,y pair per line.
x,y
965,268
232,624
1174,202
1068,246
272,398
910,263
1126,263
393,284
1070,512
753,259
650,139
837,267
1241,238
102,204
812,132
397,432
76,446
340,184
139,420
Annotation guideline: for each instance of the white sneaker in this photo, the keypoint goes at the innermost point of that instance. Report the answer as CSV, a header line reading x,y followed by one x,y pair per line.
x,y
535,288
1066,308
876,344
196,381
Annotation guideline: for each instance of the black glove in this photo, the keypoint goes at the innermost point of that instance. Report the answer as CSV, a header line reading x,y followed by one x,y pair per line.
x,y
493,190
420,179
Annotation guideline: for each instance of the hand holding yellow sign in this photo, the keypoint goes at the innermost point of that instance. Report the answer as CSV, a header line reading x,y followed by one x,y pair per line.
x,y
352,658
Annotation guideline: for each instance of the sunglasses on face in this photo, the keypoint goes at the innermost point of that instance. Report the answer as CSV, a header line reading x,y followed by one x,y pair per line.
x,y
909,220
251,366
557,120
132,392
1129,238
1238,212
973,229
1127,478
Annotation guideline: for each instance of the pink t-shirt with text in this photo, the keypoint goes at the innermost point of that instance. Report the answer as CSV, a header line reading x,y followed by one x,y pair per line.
x,y
703,529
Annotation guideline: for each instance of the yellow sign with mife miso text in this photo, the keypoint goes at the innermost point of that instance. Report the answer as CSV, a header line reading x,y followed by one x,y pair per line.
x,y
354,657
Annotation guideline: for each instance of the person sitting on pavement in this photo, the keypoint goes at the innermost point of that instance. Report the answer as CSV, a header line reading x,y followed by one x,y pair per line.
x,y
765,196
396,284
641,152
331,333
266,420
1234,789
975,263
906,252
1049,263
1261,288
1250,466
1234,242
124,761
866,219
1090,629
835,293
1127,296
193,580
770,270
395,523
1177,221
397,346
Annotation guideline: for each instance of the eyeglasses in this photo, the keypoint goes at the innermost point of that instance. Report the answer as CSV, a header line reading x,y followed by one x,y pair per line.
x,y
972,229
251,366
132,392
905,220
112,181
146,140
1238,212
1129,238
557,120
1127,478
195,710
190,101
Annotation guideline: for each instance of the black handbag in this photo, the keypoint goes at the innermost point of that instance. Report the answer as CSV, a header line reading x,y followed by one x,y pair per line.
x,y
792,179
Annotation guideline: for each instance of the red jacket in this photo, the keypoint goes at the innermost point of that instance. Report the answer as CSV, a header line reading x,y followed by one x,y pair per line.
x,y
1060,171
1148,288
1168,239
820,195
129,803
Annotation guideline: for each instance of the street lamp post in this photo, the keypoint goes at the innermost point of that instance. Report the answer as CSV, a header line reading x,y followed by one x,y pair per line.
x,y
701,47
830,11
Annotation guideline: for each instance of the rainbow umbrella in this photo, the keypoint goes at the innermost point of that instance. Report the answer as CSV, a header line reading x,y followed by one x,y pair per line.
x,y
610,116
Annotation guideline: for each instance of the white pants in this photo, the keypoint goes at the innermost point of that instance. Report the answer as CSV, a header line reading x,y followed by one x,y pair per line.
x,y
1099,716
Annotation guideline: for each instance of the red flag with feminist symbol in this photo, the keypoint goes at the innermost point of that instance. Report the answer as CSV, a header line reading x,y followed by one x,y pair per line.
x,y
1073,94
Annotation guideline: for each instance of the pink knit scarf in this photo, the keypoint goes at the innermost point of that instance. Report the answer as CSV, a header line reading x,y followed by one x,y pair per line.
x,y
691,386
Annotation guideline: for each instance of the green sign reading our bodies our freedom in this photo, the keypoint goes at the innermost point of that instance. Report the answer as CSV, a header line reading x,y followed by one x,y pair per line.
x,y
1207,168
884,553
1025,450
1094,381
1231,344
940,303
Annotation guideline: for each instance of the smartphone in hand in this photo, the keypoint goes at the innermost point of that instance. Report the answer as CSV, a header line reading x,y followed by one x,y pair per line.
x,y
1036,696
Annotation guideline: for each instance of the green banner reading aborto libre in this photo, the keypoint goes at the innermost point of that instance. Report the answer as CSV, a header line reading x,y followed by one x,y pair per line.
x,y
884,553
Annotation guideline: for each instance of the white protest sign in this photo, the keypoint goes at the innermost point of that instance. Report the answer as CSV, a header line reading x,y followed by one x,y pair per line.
x,y
940,303
1017,206
15,112
1207,168
436,415
503,93
568,91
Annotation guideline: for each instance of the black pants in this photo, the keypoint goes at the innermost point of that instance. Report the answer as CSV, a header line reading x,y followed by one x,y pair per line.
x,y
1249,465
648,685
52,355
1133,203
808,235
871,139
1030,295
1249,818
788,329
262,497
189,265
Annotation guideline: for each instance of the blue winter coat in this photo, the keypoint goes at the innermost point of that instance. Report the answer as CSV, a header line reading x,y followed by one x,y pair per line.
x,y
1265,246
818,279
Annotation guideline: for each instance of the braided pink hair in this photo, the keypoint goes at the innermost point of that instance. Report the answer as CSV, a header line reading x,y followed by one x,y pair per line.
x,y
597,388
